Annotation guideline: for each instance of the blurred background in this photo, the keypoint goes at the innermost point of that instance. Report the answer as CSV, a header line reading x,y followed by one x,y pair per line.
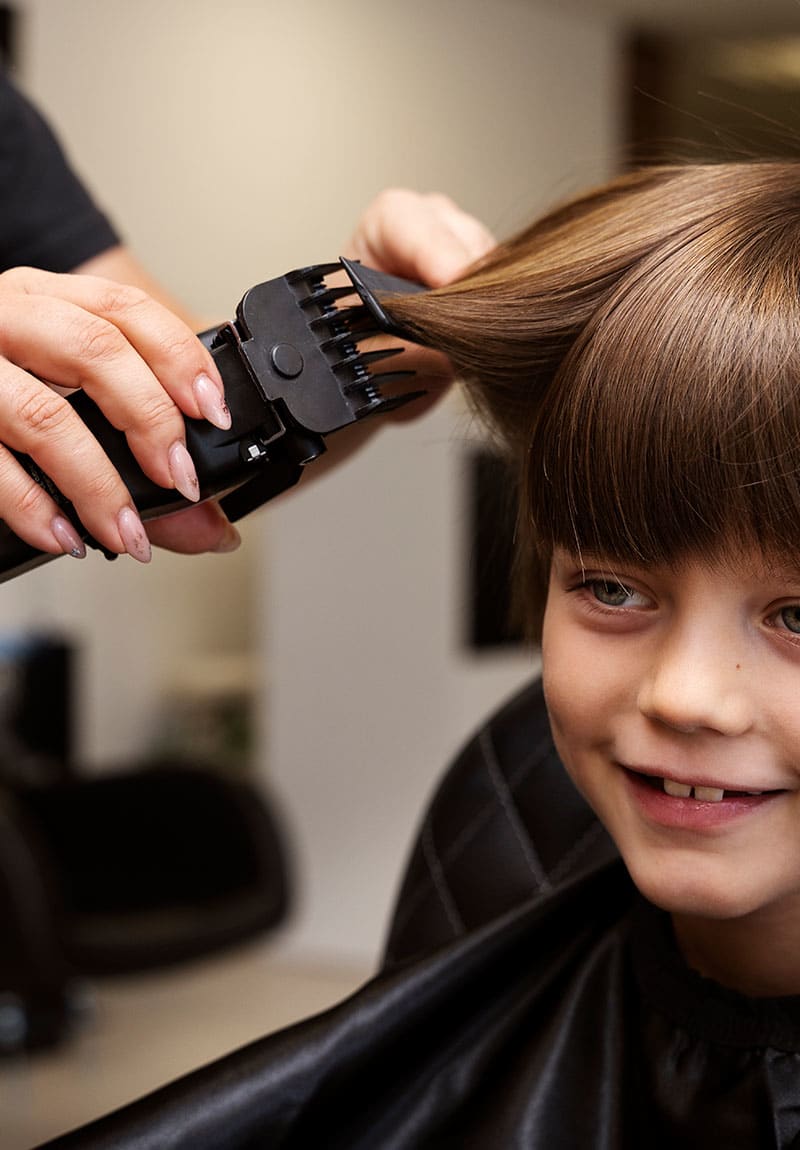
x,y
336,662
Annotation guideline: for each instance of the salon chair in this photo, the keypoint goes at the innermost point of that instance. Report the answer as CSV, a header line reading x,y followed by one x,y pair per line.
x,y
117,872
37,989
158,865
122,873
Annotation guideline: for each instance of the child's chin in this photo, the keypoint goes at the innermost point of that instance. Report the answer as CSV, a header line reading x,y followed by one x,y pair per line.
x,y
699,895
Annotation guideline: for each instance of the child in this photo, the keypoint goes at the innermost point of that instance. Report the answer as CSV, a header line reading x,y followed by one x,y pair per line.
x,y
637,353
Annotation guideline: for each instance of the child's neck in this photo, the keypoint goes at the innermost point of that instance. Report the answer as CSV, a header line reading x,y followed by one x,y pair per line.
x,y
758,955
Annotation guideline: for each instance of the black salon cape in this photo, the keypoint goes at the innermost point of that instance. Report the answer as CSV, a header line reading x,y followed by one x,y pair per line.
x,y
568,1022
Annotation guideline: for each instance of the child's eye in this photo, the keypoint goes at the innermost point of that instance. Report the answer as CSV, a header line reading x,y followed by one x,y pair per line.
x,y
790,617
611,593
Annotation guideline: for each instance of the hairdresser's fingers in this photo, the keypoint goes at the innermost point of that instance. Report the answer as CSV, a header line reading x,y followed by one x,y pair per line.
x,y
137,360
32,514
37,421
464,230
166,343
63,344
58,340
420,236
194,530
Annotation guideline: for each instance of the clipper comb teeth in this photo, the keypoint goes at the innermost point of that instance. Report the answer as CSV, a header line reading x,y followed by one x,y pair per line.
x,y
342,329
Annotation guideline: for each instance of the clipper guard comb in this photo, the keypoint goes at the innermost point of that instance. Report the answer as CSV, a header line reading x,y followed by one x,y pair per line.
x,y
295,372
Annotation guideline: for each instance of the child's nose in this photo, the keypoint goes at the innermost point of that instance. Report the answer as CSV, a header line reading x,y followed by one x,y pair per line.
x,y
694,683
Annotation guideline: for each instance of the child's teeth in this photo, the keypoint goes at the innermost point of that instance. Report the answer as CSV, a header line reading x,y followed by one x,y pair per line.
x,y
709,794
677,790
683,791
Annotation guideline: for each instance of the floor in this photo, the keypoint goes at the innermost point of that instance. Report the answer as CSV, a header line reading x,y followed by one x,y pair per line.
x,y
142,1031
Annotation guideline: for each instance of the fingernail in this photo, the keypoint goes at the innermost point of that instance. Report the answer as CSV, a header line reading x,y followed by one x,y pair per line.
x,y
181,468
133,536
229,541
68,538
211,401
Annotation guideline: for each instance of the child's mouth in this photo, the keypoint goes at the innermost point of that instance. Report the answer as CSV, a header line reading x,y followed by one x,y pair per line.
x,y
703,794
694,806
698,792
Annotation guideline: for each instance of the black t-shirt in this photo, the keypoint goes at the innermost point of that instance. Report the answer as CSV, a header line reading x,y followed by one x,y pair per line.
x,y
47,218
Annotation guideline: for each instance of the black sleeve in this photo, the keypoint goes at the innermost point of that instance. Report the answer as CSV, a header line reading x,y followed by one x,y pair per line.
x,y
47,218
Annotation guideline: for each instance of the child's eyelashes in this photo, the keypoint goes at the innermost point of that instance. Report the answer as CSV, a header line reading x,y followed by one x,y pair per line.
x,y
611,593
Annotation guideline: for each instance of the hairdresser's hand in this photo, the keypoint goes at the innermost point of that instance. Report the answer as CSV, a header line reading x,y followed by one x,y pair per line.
x,y
424,237
141,364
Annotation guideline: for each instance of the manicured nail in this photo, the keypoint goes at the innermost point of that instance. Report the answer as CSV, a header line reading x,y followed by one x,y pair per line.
x,y
182,471
133,536
211,401
229,541
68,538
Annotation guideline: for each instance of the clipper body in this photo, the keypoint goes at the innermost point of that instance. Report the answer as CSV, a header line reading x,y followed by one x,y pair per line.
x,y
294,373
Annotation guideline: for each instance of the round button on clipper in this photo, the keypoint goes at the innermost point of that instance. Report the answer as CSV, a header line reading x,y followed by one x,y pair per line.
x,y
287,360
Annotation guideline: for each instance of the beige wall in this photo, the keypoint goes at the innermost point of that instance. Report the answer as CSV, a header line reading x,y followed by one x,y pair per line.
x,y
233,141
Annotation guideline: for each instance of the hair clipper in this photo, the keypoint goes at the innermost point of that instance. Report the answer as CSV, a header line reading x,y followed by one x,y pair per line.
x,y
293,373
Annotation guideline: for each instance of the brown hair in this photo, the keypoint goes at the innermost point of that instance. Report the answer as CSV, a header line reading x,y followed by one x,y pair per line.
x,y
638,353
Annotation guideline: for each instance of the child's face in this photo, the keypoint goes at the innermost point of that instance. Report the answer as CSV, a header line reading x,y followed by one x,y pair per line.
x,y
690,674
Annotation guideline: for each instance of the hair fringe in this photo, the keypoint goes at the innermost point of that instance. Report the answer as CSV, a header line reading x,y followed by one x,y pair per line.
x,y
635,351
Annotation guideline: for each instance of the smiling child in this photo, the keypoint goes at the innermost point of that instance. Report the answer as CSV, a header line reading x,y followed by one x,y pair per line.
x,y
638,354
